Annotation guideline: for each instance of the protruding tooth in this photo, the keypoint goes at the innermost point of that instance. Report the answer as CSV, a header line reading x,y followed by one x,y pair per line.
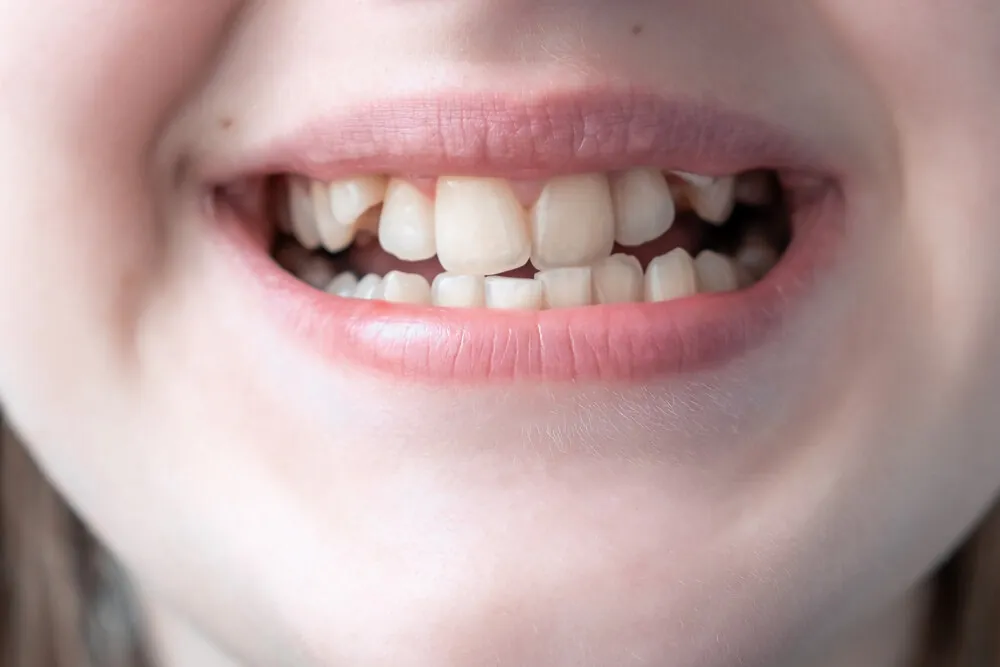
x,y
451,290
513,293
406,229
480,226
716,273
573,222
345,284
566,288
368,287
756,255
671,276
399,287
714,203
618,279
303,213
754,189
333,235
644,206
353,196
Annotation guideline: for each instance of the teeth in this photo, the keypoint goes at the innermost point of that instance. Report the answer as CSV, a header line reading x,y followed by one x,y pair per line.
x,y
303,213
480,226
513,293
454,291
716,273
753,189
714,203
756,256
644,206
333,235
399,287
368,287
573,222
671,276
618,279
353,196
696,180
566,288
345,284
406,229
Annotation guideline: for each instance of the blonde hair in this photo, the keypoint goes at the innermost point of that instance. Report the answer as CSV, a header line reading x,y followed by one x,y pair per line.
x,y
66,603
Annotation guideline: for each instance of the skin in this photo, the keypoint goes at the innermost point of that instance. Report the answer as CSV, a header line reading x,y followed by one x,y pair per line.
x,y
273,508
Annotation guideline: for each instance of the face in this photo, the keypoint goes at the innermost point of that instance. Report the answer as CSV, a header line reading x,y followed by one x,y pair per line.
x,y
619,461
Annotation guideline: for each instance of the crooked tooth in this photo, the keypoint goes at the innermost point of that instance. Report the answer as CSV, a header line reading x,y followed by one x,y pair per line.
x,y
618,279
756,256
456,291
716,273
696,180
333,235
754,189
406,229
573,222
671,276
644,206
567,287
480,226
302,211
351,197
513,293
345,284
399,287
714,203
368,287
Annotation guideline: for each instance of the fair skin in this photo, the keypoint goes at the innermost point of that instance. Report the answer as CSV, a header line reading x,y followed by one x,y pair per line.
x,y
279,504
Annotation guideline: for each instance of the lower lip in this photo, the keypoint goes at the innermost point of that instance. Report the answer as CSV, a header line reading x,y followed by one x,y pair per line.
x,y
627,342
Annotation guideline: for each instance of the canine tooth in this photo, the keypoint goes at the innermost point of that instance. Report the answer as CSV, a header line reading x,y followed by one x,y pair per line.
x,y
573,222
753,189
345,284
756,256
480,226
714,203
644,206
368,287
716,273
333,235
301,208
567,287
671,276
451,290
513,293
406,229
618,279
399,287
351,197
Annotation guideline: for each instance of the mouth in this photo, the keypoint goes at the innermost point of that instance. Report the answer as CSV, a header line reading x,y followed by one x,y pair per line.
x,y
599,238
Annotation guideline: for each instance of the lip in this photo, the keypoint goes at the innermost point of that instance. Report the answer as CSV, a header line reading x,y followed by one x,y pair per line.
x,y
506,138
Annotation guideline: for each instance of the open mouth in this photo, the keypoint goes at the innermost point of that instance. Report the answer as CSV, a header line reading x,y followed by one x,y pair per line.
x,y
640,268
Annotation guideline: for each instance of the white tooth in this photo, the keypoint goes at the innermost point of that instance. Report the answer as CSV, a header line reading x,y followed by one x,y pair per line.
x,y
753,189
618,279
573,222
566,288
756,256
406,229
333,235
716,273
451,290
513,293
368,287
345,284
697,180
399,287
353,196
480,226
303,214
714,203
644,206
671,276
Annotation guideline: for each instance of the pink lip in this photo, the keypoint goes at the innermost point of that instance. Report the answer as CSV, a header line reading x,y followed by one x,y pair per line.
x,y
518,139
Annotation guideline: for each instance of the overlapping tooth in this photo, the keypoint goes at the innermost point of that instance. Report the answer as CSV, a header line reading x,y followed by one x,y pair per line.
x,y
451,290
406,228
618,279
514,293
351,197
754,189
573,222
333,235
302,211
345,284
480,226
714,203
671,276
644,206
567,287
368,287
400,287
716,273
756,255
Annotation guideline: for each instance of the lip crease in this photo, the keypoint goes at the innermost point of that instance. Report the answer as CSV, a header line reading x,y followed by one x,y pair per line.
x,y
521,138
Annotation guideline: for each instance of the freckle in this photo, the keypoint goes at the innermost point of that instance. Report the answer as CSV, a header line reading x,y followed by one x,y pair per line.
x,y
226,122
637,29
